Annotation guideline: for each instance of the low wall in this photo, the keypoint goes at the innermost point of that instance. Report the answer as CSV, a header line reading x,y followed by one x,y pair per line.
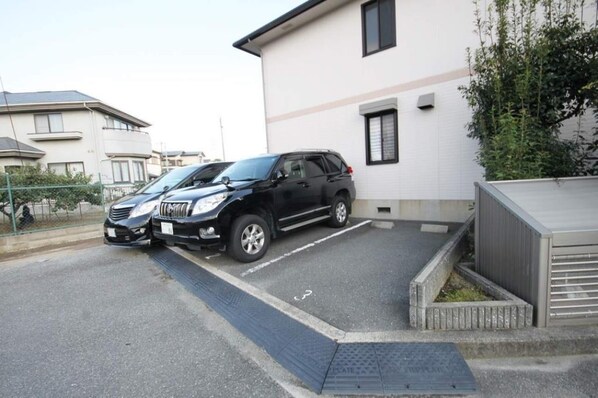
x,y
507,312
36,240
426,285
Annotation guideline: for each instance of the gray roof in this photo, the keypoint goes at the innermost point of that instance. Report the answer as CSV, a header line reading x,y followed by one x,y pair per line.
x,y
560,205
182,153
9,144
43,101
43,97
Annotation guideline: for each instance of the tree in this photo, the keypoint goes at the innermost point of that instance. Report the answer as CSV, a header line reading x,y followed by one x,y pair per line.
x,y
34,184
536,67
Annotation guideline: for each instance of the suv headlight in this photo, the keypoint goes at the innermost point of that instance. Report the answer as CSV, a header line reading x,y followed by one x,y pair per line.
x,y
208,203
144,208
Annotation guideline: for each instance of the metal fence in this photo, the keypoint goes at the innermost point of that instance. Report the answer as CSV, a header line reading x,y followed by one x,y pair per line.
x,y
25,209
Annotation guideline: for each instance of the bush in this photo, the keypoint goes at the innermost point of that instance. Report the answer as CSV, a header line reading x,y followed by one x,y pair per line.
x,y
537,66
65,191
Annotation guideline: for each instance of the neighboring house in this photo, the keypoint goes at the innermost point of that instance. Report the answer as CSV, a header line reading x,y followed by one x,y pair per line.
x,y
174,159
378,82
154,165
70,131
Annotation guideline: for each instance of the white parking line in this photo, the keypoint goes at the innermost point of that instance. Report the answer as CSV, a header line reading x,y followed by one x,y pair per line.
x,y
317,242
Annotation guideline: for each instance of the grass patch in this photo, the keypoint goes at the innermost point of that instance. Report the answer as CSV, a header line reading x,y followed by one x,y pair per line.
x,y
457,289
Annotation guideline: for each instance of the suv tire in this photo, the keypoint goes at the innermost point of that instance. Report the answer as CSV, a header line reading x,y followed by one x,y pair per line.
x,y
339,212
249,238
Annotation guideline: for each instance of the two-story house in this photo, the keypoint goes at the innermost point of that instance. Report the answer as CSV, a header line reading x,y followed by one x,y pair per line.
x,y
70,131
377,81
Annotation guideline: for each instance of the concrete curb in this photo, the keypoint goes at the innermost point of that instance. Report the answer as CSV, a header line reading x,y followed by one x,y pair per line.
x,y
43,239
426,285
471,343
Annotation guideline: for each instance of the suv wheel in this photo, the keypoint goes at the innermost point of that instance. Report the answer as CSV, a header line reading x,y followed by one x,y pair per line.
x,y
249,238
339,213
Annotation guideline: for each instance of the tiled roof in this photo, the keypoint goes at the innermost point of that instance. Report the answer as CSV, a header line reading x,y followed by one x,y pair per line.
x,y
182,153
43,97
10,144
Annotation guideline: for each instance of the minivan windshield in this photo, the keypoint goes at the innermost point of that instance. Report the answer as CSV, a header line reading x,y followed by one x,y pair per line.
x,y
170,180
249,169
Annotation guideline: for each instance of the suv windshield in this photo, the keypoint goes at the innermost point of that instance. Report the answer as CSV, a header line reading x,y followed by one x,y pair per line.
x,y
249,169
169,180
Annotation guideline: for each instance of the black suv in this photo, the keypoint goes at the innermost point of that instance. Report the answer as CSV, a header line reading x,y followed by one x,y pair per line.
x,y
128,221
258,199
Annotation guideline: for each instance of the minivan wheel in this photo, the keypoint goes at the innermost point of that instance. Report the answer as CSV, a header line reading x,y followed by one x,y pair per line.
x,y
339,213
249,238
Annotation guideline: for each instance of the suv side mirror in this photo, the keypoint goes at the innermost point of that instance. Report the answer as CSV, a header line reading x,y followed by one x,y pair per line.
x,y
280,175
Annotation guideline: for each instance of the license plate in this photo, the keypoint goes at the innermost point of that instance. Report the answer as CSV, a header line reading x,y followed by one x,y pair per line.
x,y
111,232
167,228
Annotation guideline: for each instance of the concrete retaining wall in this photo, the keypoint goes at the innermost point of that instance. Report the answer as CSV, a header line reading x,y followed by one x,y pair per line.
x,y
36,240
507,312
426,285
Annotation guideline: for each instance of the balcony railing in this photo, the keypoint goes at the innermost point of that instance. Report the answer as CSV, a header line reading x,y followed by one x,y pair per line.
x,y
118,142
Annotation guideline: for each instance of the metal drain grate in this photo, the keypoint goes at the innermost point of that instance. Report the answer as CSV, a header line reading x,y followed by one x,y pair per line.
x,y
322,364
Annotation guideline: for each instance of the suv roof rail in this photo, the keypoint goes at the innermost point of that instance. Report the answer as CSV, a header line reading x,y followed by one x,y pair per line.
x,y
312,150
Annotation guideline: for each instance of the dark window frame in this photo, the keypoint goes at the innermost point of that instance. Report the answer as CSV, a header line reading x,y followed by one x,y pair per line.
x,y
367,118
363,28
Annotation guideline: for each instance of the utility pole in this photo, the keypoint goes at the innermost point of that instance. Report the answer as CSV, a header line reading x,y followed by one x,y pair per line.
x,y
163,155
222,139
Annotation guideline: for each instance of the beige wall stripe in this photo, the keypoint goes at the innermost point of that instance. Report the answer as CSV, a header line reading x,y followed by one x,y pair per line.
x,y
427,81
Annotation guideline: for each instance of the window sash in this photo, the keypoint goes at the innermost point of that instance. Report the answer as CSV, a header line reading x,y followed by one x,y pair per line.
x,y
120,171
138,171
382,138
62,168
55,122
378,26
49,123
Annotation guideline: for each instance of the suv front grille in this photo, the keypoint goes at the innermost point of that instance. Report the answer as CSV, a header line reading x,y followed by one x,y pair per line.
x,y
120,213
174,209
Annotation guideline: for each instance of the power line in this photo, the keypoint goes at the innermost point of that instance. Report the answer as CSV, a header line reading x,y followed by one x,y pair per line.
x,y
12,125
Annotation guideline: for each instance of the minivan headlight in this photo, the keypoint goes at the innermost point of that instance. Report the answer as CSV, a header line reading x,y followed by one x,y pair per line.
x,y
144,208
208,203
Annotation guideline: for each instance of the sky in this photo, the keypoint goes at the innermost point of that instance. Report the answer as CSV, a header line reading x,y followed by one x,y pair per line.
x,y
170,63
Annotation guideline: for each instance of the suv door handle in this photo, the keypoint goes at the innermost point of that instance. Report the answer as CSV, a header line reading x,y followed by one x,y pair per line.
x,y
304,184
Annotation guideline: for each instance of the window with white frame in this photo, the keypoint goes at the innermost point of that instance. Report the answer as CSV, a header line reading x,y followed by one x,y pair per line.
x,y
138,171
117,124
49,123
120,171
382,138
65,168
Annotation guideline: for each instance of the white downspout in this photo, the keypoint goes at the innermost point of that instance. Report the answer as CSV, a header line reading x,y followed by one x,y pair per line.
x,y
95,139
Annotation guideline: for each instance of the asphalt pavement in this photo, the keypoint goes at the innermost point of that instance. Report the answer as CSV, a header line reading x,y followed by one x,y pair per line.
x,y
355,278
103,321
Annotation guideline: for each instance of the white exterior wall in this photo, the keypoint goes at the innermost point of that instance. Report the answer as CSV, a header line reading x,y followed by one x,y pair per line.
x,y
316,78
91,149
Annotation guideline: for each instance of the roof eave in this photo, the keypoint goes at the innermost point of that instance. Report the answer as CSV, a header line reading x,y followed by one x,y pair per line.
x,y
242,43
50,106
